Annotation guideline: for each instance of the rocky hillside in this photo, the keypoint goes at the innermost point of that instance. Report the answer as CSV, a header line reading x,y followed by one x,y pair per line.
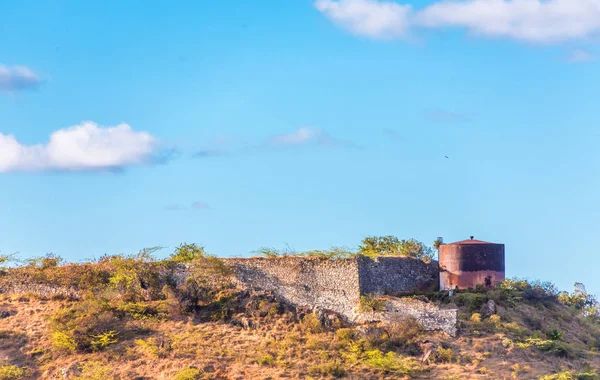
x,y
128,318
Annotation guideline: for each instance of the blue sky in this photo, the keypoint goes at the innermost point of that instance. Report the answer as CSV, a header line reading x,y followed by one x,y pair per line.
x,y
241,124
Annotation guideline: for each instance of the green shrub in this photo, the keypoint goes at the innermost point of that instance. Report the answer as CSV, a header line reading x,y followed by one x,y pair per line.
x,y
555,334
470,300
153,347
94,370
265,360
373,246
333,369
443,355
186,253
189,373
63,341
11,372
587,375
312,324
345,335
142,310
46,262
390,362
553,347
101,341
84,324
370,304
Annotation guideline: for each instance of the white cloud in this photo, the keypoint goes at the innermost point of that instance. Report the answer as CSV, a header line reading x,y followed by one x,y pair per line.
x,y
372,18
17,78
580,56
300,136
83,147
534,21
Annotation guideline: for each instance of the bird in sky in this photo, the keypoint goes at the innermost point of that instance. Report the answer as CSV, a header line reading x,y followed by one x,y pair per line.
x,y
447,157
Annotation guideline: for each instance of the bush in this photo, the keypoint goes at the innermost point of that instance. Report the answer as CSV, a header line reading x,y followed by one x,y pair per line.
x,y
403,331
555,334
265,360
142,310
190,373
476,318
63,341
390,362
153,347
586,375
85,326
494,319
101,341
334,369
94,370
312,324
11,372
391,246
186,253
49,261
370,304
472,301
345,335
443,355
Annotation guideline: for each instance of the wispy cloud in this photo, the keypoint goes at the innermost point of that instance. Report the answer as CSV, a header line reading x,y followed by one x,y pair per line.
x,y
580,56
306,136
533,21
303,136
206,153
221,145
300,136
84,147
194,206
445,116
200,205
17,78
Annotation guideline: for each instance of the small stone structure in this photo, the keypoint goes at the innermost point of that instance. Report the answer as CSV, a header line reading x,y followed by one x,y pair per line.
x,y
338,285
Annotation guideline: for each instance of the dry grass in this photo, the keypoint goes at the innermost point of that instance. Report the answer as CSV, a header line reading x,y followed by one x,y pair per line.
x,y
129,323
277,347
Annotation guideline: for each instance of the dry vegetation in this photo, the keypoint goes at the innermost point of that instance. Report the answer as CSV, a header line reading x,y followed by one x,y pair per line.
x,y
131,317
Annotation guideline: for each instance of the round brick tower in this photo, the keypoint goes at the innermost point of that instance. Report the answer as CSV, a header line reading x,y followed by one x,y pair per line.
x,y
468,263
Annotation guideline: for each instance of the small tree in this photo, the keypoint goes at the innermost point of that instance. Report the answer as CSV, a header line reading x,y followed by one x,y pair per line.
x,y
581,300
186,253
392,246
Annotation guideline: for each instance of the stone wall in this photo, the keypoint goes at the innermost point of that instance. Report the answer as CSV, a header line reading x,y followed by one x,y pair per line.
x,y
312,282
430,316
337,285
388,275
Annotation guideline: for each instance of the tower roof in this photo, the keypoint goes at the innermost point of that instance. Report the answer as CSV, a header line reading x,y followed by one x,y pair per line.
x,y
470,241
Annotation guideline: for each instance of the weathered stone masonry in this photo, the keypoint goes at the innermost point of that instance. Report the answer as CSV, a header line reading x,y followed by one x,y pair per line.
x,y
390,275
313,282
337,285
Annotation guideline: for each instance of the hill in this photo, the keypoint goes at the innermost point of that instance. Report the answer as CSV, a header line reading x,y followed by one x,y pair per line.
x,y
125,317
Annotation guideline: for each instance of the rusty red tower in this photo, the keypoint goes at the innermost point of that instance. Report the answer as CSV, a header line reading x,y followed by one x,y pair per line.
x,y
468,263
